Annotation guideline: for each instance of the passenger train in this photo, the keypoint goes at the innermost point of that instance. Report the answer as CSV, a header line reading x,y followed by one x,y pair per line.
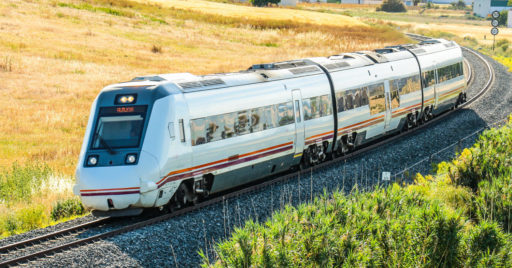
x,y
168,140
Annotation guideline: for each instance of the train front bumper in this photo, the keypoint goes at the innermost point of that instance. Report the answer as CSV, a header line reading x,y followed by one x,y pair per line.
x,y
114,189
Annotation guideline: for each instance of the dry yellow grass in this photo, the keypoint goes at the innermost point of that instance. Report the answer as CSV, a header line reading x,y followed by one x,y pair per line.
x,y
55,58
237,11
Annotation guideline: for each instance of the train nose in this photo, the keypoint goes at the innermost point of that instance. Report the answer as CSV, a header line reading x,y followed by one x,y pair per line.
x,y
118,187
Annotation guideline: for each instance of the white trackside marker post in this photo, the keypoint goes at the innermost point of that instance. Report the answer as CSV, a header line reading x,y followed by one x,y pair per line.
x,y
386,176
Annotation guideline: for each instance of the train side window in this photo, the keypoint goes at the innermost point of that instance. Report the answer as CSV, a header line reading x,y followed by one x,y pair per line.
x,y
315,107
214,126
198,131
229,125
357,98
256,118
325,105
461,69
340,101
364,96
285,111
413,83
395,99
306,105
269,117
377,101
297,111
242,123
349,100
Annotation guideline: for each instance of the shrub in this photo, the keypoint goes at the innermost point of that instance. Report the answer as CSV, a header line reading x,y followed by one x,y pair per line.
x,y
264,3
21,182
487,246
67,208
22,220
392,6
458,5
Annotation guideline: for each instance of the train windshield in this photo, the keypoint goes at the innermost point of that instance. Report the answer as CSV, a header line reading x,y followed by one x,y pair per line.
x,y
117,130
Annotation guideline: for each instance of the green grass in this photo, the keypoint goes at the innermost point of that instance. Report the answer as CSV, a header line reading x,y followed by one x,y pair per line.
x,y
458,217
26,194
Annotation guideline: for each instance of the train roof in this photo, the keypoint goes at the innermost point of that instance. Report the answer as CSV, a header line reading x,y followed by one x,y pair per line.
x,y
258,73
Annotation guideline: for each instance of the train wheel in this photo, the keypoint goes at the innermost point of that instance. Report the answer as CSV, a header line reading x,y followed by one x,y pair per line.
x,y
180,198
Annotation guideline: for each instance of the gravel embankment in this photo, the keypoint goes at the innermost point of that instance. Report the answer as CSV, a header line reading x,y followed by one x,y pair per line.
x,y
177,241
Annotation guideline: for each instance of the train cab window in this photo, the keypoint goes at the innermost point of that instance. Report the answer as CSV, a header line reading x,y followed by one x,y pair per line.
x,y
242,123
256,124
340,101
325,105
198,131
285,111
118,131
377,100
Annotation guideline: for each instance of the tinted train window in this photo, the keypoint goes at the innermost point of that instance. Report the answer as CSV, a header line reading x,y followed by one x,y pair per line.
x,y
340,101
325,105
349,100
306,106
285,111
256,124
315,107
430,78
377,101
242,123
364,96
214,126
269,117
198,131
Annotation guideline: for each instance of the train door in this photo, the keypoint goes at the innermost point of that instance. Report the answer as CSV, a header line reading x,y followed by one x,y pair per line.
x,y
299,121
387,117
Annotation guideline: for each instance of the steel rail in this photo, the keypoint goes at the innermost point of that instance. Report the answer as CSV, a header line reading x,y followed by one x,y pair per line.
x,y
258,186
39,239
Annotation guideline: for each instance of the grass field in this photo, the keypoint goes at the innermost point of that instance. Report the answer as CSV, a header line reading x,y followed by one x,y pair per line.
x,y
460,217
56,55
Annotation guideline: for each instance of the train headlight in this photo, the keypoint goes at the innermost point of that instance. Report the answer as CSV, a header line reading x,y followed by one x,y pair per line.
x,y
131,159
92,160
126,99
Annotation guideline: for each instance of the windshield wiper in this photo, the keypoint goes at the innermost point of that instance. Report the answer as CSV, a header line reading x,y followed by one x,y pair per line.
x,y
104,143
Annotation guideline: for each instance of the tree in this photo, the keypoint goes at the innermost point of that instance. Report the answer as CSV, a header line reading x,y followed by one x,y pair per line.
x,y
263,3
503,17
416,2
392,6
459,4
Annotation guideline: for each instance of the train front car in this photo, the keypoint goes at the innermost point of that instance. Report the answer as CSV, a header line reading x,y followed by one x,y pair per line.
x,y
118,168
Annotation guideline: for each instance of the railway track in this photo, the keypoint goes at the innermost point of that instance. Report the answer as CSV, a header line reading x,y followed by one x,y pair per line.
x,y
52,247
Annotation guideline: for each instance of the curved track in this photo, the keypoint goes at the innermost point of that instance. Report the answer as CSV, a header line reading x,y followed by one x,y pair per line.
x,y
9,249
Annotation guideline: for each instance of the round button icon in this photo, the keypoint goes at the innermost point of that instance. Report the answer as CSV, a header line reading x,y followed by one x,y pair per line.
x,y
495,23
495,14
494,31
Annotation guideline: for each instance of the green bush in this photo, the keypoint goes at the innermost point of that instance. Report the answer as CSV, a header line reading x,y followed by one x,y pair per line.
x,y
22,220
21,182
263,3
392,6
460,218
67,208
487,246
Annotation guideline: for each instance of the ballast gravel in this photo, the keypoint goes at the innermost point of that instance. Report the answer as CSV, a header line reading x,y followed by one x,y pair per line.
x,y
176,242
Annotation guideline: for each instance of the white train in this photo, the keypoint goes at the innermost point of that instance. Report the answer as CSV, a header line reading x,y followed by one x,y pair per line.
x,y
166,140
